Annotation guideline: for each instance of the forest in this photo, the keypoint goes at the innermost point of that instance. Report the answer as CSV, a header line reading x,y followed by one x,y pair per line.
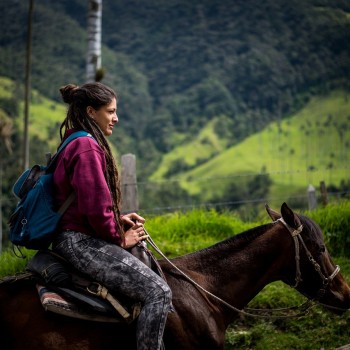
x,y
222,102
177,67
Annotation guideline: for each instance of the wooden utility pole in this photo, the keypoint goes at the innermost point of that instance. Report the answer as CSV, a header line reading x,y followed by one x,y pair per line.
x,y
94,30
27,87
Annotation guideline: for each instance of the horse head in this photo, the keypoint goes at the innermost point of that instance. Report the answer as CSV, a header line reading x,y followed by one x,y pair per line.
x,y
314,273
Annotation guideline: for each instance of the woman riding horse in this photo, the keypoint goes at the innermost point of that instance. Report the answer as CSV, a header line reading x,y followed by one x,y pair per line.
x,y
232,272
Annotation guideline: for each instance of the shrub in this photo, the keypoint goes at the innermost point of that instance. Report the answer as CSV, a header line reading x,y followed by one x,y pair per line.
x,y
334,220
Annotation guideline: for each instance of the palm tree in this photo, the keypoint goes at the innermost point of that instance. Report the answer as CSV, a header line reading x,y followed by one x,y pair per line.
x,y
27,87
93,58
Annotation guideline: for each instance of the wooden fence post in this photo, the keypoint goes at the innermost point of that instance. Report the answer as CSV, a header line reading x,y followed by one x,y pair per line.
x,y
311,196
324,195
130,202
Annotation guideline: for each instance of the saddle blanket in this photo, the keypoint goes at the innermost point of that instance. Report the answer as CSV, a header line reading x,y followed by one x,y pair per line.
x,y
51,301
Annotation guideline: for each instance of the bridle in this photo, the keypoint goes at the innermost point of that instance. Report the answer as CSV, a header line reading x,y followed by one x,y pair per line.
x,y
296,235
304,307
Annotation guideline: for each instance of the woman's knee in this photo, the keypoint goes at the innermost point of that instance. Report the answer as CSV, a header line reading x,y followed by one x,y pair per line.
x,y
161,291
167,292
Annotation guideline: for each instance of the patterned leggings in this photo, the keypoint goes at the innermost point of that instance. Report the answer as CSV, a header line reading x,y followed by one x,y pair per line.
x,y
121,272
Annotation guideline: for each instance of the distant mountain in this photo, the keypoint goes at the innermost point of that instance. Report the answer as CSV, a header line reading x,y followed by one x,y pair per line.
x,y
180,64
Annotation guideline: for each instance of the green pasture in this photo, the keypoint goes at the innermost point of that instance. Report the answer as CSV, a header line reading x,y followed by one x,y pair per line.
x,y
180,233
308,147
45,117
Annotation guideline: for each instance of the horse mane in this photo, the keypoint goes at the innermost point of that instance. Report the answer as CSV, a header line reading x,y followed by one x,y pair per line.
x,y
250,235
237,241
312,228
242,238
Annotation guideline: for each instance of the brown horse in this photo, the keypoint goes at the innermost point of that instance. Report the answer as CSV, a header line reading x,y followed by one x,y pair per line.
x,y
234,270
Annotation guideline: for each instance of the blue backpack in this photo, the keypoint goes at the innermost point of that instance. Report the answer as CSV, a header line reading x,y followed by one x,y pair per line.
x,y
35,218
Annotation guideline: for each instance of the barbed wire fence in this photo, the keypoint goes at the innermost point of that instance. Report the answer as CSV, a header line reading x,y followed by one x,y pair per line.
x,y
136,192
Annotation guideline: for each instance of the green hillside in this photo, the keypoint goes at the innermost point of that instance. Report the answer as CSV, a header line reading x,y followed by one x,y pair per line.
x,y
178,63
45,118
306,148
198,81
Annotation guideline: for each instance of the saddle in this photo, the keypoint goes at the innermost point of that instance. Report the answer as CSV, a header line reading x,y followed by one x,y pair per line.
x,y
65,291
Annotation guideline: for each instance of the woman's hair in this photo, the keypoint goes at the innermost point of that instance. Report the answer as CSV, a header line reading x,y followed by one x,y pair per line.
x,y
79,98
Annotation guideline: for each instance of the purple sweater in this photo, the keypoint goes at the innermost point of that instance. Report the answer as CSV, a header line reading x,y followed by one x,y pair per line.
x,y
80,168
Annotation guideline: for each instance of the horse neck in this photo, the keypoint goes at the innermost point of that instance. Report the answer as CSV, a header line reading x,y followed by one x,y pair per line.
x,y
238,268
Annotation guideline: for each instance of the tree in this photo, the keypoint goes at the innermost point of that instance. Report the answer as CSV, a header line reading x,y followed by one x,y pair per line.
x,y
94,71
27,87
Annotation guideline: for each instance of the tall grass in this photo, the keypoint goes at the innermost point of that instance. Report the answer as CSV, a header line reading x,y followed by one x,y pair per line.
x,y
319,329
180,233
11,263
335,223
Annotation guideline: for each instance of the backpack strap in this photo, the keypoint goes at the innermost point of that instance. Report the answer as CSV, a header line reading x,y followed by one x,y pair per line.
x,y
70,138
66,203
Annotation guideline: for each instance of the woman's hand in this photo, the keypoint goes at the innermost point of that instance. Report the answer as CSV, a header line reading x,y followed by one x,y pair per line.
x,y
130,219
134,235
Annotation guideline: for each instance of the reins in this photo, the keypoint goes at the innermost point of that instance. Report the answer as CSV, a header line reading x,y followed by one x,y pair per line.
x,y
295,233
305,306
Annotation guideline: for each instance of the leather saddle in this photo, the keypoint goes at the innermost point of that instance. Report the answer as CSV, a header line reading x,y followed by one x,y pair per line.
x,y
65,291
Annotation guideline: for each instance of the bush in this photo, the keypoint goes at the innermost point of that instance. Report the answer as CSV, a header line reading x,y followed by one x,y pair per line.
x,y
334,220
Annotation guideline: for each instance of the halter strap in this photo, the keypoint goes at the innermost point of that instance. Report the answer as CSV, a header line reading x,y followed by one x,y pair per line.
x,y
295,233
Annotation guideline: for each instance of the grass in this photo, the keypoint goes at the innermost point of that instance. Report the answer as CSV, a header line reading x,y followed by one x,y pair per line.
x,y
308,147
334,219
205,145
316,330
10,264
181,233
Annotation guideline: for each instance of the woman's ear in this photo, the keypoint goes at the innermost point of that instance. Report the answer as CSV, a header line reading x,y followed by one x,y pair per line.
x,y
90,111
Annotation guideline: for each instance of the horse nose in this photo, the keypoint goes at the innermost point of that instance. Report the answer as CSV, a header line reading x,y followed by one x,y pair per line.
x,y
338,296
342,296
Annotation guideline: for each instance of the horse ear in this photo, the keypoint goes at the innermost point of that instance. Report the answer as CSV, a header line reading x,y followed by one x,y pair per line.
x,y
273,214
289,216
